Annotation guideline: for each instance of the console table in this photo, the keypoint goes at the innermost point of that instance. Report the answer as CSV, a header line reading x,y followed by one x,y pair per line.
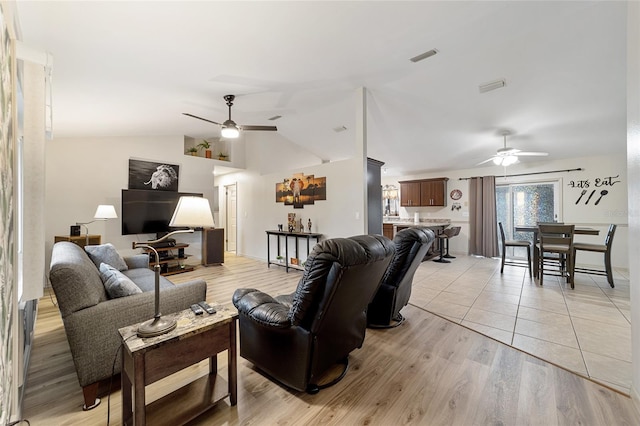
x,y
147,360
286,235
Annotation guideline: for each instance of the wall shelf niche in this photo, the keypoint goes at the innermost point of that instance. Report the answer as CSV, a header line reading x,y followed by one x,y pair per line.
x,y
218,148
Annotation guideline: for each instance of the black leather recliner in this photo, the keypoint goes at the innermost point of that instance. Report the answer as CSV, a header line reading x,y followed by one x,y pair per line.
x,y
412,245
298,337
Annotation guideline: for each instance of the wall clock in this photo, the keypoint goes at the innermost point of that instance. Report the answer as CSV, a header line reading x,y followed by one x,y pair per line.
x,y
456,194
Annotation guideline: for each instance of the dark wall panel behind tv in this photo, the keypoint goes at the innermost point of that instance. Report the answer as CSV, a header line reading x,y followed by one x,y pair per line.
x,y
148,211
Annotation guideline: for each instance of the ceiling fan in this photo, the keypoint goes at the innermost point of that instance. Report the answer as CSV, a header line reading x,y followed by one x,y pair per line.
x,y
507,156
229,128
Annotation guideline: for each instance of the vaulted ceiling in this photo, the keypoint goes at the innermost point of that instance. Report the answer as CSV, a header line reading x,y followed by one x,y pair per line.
x,y
133,68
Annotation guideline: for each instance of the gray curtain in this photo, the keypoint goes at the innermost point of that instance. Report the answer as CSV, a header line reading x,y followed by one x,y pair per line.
x,y
483,233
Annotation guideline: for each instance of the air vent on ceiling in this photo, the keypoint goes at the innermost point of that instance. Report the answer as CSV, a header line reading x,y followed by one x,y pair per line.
x,y
492,85
275,117
424,55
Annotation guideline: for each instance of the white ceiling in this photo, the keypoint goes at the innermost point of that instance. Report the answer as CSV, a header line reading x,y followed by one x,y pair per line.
x,y
132,68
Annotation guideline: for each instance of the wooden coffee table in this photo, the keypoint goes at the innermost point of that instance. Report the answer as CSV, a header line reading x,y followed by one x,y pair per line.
x,y
145,361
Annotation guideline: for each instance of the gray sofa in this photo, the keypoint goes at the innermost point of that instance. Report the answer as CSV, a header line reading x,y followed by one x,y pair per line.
x,y
91,319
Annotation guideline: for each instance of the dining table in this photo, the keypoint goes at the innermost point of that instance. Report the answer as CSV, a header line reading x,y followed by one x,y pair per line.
x,y
577,230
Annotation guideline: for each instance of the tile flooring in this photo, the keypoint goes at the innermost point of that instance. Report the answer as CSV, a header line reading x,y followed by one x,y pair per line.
x,y
586,330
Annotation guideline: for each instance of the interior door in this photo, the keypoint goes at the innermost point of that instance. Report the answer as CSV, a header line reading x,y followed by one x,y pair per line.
x,y
230,191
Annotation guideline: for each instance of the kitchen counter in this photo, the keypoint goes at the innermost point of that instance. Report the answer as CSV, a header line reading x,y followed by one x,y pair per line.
x,y
423,222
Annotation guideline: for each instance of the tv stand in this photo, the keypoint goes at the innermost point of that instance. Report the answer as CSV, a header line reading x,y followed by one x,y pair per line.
x,y
171,259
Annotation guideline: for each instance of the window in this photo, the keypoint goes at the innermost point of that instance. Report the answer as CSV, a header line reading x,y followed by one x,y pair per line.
x,y
526,204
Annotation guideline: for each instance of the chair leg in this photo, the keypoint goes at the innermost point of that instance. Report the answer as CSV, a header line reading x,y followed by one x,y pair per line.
x,y
441,259
571,269
528,261
541,267
607,265
447,255
504,250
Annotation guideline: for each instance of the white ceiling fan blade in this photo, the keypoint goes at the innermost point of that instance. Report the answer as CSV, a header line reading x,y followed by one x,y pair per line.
x,y
537,154
486,161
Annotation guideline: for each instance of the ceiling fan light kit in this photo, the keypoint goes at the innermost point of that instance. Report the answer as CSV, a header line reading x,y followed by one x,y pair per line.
x,y
229,130
505,161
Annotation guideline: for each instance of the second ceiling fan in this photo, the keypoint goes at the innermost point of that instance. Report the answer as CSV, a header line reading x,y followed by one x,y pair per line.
x,y
507,156
229,128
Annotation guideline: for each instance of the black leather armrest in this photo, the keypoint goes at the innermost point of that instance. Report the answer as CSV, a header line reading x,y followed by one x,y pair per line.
x,y
261,307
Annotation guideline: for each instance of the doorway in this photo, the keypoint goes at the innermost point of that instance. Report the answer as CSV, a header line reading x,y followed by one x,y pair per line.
x,y
231,216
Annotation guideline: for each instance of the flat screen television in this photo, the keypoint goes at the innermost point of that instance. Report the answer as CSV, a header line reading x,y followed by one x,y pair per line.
x,y
149,211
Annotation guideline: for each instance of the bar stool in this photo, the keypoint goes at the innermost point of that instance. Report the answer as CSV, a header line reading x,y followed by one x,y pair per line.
x,y
514,243
443,239
598,248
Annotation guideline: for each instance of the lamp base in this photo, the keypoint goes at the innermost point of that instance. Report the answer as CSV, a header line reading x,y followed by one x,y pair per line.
x,y
156,327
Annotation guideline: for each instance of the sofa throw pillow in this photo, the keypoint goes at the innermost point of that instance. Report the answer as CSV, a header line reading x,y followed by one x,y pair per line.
x,y
106,253
116,283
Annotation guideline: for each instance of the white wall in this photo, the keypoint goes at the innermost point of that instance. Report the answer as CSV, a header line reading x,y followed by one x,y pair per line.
x,y
611,209
633,170
85,172
258,210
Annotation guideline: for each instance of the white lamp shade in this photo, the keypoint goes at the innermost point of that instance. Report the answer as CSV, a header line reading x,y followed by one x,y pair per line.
x,y
105,211
193,212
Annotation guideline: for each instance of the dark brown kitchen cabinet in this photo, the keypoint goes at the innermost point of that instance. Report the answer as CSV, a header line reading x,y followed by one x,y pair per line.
x,y
410,194
424,193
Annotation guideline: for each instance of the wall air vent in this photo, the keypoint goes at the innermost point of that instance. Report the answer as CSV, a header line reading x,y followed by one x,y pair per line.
x,y
424,55
339,129
275,117
492,85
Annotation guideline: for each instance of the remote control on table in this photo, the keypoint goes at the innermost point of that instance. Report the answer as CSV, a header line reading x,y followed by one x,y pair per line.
x,y
197,309
204,305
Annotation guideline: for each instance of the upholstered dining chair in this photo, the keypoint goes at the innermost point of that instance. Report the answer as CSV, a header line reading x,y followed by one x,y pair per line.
x,y
514,243
411,245
557,240
598,248
297,338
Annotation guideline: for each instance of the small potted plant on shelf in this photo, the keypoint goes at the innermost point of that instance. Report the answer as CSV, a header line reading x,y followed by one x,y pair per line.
x,y
222,156
280,259
193,150
206,146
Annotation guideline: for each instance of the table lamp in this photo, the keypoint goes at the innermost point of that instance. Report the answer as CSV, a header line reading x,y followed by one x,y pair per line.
x,y
103,212
191,212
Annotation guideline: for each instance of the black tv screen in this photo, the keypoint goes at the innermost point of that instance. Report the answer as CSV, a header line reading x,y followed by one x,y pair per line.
x,y
148,211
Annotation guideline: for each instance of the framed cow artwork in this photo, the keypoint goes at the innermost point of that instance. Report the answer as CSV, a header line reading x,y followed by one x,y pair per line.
x,y
152,175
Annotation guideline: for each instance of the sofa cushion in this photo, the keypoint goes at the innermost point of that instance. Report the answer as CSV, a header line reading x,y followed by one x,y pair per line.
x,y
74,278
106,253
116,283
145,279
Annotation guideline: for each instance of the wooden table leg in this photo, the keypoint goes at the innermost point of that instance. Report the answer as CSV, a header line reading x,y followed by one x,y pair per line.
x,y
140,414
233,364
127,413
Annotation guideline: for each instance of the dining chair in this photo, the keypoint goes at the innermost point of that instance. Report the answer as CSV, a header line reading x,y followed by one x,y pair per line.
x,y
598,248
556,240
514,243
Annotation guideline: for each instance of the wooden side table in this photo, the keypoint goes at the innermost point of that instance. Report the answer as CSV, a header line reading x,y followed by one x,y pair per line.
x,y
147,360
81,240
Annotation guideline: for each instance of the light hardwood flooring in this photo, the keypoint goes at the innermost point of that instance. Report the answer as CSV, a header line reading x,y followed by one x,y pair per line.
x,y
586,330
429,371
